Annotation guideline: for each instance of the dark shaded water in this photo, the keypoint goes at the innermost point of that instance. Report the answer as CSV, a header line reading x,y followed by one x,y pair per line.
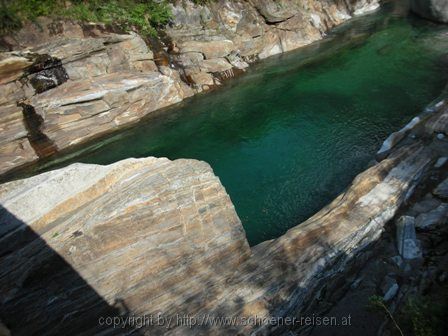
x,y
291,134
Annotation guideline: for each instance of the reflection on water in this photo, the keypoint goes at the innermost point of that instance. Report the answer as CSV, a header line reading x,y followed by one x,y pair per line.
x,y
291,134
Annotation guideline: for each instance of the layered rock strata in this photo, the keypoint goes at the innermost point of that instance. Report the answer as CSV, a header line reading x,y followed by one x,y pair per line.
x,y
75,81
154,237
138,236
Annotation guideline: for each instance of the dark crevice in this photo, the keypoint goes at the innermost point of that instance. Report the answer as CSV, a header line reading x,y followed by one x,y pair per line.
x,y
46,73
42,145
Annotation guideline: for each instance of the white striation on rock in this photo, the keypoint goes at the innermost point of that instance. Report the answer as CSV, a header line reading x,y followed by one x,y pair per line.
x,y
407,243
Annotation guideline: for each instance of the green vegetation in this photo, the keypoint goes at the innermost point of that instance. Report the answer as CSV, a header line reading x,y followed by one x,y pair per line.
x,y
377,302
427,314
417,312
143,16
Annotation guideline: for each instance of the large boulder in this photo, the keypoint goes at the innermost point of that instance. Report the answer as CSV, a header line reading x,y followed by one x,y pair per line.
x,y
88,241
435,10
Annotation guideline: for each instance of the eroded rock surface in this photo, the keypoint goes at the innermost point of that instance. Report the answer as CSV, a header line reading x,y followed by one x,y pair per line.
x,y
143,235
15,148
80,110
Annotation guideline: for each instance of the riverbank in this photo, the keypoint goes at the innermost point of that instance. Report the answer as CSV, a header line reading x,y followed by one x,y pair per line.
x,y
64,83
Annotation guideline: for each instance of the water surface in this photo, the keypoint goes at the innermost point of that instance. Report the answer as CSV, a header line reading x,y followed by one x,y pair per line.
x,y
291,134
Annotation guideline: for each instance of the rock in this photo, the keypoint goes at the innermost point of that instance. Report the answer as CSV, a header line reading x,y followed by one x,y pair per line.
x,y
44,30
363,7
441,162
271,45
438,123
236,61
190,59
435,10
12,66
441,190
411,249
46,73
398,261
216,65
15,148
151,233
435,217
275,11
355,284
407,244
205,44
390,288
202,78
425,205
78,111
210,49
395,138
3,330
91,57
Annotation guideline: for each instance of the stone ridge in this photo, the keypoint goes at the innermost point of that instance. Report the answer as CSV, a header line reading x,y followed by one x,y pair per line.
x,y
128,230
203,46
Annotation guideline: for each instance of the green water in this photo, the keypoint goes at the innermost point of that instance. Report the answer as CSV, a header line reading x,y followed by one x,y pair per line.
x,y
291,134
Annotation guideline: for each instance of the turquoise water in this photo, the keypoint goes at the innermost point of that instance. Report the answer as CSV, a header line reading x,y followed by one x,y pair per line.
x,y
291,134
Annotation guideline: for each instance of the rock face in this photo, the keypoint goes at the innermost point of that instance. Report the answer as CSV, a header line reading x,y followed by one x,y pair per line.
x,y
80,110
435,10
239,32
15,148
112,78
142,235
153,237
